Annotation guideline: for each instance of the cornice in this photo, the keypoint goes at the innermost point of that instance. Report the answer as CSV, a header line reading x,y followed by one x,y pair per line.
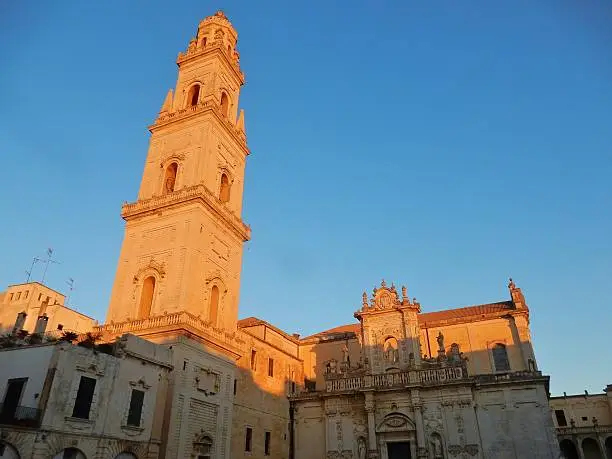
x,y
198,193
472,319
168,119
213,47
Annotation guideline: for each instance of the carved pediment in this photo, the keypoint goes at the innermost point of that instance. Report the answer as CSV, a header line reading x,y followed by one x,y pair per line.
x,y
395,422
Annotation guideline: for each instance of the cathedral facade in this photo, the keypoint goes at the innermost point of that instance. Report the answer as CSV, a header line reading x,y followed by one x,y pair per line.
x,y
395,383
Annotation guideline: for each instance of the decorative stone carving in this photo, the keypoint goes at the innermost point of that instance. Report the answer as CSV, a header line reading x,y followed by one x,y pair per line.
x,y
361,448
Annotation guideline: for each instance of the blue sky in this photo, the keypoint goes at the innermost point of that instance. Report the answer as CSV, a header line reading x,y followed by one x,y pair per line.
x,y
445,145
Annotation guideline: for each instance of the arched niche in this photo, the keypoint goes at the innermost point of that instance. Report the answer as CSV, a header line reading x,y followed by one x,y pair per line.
x,y
125,455
70,453
147,295
170,177
568,449
590,449
8,451
224,104
213,304
193,95
225,187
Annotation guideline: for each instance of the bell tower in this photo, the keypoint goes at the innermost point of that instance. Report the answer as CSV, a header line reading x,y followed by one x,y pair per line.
x,y
182,248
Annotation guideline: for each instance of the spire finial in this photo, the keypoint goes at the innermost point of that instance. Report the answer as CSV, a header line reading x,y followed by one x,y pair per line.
x,y
383,283
405,293
511,284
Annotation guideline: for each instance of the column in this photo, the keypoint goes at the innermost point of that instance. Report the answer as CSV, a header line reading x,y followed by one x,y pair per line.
x,y
418,419
369,407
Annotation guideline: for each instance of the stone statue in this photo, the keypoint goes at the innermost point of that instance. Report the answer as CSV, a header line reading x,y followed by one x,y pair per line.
x,y
365,300
440,340
511,285
345,353
436,445
361,448
411,361
404,292
170,184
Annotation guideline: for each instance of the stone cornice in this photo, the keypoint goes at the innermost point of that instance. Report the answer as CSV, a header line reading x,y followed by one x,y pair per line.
x,y
196,193
472,319
207,106
215,46
169,323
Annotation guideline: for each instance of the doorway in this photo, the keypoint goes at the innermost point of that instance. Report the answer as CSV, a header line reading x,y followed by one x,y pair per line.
x,y
398,450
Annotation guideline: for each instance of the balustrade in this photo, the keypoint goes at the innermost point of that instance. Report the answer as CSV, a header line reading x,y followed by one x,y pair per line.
x,y
338,383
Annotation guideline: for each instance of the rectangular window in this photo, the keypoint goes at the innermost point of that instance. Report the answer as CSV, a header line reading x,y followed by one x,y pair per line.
x,y
12,398
267,444
253,360
18,296
60,327
235,385
10,297
293,387
39,296
271,367
135,408
82,404
560,415
248,439
25,294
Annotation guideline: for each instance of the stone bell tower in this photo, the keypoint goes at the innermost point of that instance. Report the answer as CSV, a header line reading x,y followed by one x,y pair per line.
x,y
182,249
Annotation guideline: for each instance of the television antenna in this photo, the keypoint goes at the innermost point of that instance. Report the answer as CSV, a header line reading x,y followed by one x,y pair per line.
x,y
29,273
70,283
47,262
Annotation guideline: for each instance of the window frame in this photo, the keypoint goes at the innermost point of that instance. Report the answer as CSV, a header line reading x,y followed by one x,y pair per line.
x,y
248,440
496,350
76,413
132,410
270,367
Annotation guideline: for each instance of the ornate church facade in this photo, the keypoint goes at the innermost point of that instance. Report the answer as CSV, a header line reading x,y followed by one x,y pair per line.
x,y
396,383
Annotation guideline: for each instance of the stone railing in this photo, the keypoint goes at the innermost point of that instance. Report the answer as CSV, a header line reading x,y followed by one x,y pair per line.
x,y
169,321
185,194
406,378
201,107
584,430
232,56
510,376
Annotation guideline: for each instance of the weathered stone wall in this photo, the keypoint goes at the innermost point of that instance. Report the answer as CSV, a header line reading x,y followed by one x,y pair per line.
x,y
261,401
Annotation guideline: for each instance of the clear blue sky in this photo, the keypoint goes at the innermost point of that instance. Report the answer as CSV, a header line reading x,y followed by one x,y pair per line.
x,y
445,145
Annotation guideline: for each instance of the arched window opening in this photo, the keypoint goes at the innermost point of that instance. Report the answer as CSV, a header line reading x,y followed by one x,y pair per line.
x,y
500,358
224,104
609,446
70,453
202,447
194,95
224,189
391,351
203,42
568,449
146,297
170,178
8,452
214,305
591,449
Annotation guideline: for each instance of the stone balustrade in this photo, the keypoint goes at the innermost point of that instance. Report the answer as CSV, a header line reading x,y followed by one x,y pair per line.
x,y
186,194
170,321
166,117
584,430
417,377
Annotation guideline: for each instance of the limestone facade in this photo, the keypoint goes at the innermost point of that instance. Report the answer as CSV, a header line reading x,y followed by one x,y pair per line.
x,y
61,398
397,382
36,308
584,424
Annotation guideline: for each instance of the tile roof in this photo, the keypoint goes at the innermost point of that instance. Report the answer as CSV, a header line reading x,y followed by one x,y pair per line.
x,y
466,313
429,318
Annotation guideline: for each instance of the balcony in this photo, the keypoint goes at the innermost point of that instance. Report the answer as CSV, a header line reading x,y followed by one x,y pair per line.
x,y
417,377
23,416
